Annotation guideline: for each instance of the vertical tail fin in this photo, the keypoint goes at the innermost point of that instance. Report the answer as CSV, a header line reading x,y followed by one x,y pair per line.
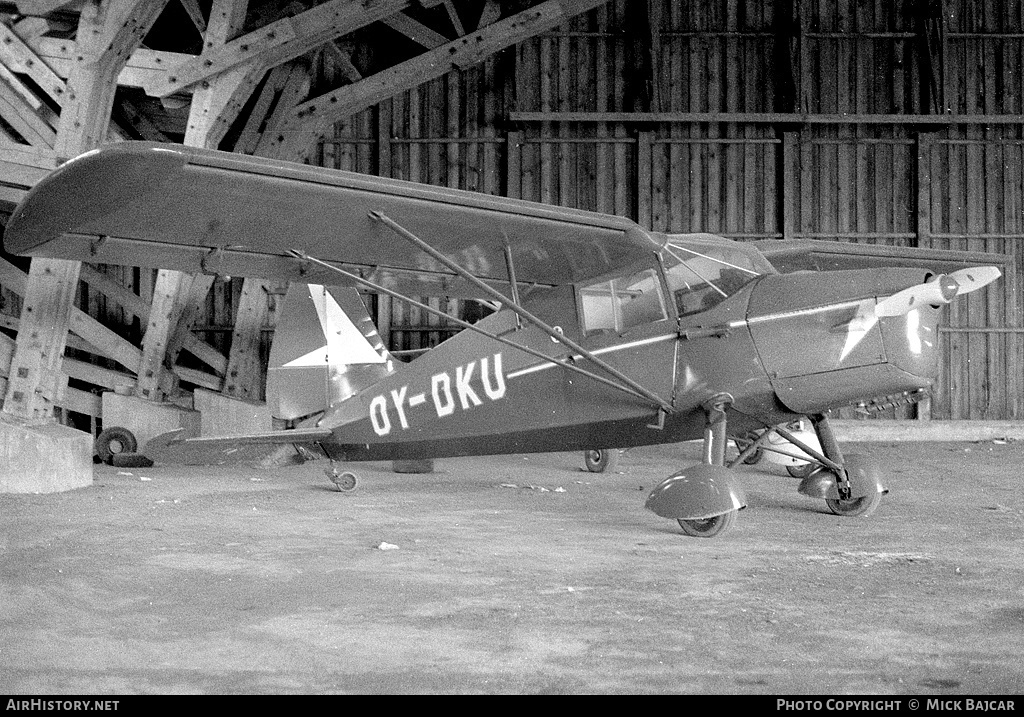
x,y
326,348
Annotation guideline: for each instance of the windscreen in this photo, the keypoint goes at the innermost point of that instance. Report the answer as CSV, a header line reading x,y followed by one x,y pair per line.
x,y
701,274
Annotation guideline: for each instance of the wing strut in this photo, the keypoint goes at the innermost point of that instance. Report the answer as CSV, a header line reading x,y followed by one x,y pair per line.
x,y
513,285
466,325
520,311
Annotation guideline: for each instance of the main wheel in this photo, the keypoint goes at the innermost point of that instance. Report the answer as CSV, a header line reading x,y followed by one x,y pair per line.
x,y
114,441
754,457
855,507
709,527
802,471
601,461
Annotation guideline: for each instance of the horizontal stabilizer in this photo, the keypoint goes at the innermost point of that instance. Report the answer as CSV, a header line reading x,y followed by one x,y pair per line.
x,y
176,447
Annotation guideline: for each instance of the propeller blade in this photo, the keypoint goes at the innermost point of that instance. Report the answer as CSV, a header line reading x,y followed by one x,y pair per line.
x,y
974,278
939,290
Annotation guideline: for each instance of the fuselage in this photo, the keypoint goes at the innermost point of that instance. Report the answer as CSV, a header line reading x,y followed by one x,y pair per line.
x,y
703,318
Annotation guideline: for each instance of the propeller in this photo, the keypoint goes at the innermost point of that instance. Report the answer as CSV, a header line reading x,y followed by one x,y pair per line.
x,y
941,289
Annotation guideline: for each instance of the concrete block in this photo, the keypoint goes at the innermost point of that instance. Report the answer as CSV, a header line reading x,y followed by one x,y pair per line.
x,y
146,419
893,430
222,415
43,458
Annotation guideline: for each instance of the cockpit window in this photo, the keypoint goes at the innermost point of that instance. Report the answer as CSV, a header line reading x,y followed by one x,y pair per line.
x,y
702,275
621,303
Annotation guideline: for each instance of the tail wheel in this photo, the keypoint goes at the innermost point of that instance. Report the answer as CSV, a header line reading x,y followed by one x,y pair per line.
x,y
344,481
114,441
601,461
709,527
855,507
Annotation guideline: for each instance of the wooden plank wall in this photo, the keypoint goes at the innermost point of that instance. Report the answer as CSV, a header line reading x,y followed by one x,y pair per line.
x,y
954,187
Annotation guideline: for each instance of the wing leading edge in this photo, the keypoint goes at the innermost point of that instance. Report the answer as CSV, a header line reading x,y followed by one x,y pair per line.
x,y
197,210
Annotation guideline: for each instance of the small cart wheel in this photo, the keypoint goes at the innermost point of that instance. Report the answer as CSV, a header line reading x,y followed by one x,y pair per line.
x,y
709,527
114,441
855,507
601,461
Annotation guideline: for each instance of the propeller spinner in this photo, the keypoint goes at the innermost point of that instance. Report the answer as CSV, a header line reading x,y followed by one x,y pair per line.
x,y
938,290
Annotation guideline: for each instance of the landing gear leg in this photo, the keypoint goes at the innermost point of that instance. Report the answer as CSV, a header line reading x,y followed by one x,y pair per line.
x,y
851,485
705,498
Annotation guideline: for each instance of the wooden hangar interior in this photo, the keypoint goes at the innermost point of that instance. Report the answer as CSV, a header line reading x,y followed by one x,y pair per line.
x,y
880,123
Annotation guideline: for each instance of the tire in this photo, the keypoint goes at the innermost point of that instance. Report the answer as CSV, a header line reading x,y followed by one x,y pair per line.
x,y
709,527
755,457
601,461
801,471
114,441
345,481
857,507
130,460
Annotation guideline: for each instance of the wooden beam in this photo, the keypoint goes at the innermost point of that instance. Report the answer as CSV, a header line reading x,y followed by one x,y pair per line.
x,y
37,158
654,27
249,138
781,118
200,378
416,31
295,89
96,375
169,295
317,115
140,307
142,67
107,34
230,90
224,57
184,339
17,56
491,12
142,124
45,7
343,61
31,28
278,42
453,15
24,119
244,378
20,174
195,14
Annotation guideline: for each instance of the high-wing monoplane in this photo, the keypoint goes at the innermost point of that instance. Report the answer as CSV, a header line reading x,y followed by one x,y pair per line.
x,y
606,335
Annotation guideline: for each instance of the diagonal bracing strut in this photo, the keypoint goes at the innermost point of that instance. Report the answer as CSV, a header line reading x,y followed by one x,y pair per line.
x,y
520,311
465,324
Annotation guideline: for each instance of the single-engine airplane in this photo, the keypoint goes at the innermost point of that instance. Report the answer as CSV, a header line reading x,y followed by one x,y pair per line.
x,y
607,335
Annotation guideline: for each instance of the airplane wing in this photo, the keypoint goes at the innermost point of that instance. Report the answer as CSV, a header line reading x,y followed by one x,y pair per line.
x,y
197,210
821,255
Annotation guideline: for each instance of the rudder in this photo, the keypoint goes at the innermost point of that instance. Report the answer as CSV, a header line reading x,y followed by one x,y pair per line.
x,y
326,348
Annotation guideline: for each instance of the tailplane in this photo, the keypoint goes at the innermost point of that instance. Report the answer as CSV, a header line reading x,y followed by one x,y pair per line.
x,y
326,348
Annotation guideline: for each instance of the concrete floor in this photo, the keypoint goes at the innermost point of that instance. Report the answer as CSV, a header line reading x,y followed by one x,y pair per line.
x,y
240,580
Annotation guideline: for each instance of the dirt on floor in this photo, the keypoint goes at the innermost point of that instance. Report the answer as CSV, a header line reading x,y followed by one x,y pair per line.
x,y
515,574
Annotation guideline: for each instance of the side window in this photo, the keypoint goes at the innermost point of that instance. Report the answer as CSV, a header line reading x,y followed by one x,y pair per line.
x,y
700,281
621,303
